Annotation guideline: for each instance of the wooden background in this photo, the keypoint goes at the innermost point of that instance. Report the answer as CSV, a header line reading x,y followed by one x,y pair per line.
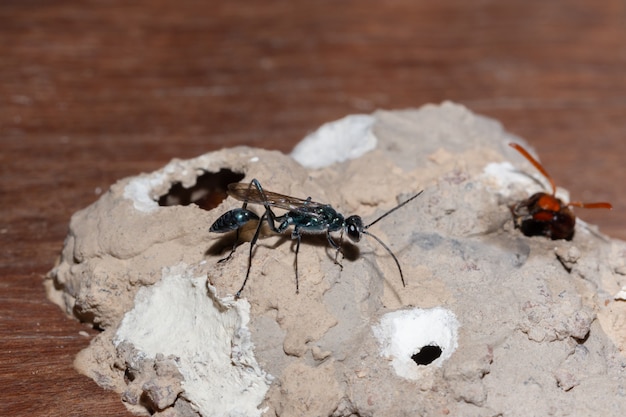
x,y
92,91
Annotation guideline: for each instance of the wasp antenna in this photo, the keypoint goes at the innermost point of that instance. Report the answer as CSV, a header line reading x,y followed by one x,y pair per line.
x,y
391,211
602,204
535,163
390,252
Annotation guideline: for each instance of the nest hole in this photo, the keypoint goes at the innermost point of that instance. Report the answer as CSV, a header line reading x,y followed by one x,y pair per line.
x,y
427,355
207,193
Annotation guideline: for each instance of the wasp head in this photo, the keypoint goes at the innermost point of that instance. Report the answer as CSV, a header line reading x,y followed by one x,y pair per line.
x,y
354,228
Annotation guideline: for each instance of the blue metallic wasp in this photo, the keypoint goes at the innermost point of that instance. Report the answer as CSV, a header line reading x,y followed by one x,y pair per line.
x,y
306,217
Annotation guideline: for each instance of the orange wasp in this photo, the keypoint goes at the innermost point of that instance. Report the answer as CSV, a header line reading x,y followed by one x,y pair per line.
x,y
543,214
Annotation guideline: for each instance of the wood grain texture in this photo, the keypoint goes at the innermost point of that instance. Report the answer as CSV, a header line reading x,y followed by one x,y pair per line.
x,y
93,91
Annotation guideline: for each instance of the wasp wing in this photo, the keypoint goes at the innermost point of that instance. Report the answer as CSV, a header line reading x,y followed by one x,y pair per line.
x,y
249,193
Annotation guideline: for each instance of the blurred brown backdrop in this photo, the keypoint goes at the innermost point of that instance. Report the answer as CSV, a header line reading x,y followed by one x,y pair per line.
x,y
92,91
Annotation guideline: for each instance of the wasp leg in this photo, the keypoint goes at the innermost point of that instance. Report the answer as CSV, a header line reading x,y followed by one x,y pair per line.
x,y
297,235
232,251
252,243
336,246
271,217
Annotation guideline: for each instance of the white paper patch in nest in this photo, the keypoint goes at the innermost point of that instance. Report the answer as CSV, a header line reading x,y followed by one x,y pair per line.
x,y
404,334
139,188
179,316
508,178
337,141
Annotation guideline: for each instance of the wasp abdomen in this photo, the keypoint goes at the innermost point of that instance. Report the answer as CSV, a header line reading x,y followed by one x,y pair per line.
x,y
232,220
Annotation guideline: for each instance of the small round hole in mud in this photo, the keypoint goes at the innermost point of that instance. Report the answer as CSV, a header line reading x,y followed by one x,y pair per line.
x,y
427,355
208,192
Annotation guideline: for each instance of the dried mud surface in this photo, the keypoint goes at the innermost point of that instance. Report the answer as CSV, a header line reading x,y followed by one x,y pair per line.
x,y
541,331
